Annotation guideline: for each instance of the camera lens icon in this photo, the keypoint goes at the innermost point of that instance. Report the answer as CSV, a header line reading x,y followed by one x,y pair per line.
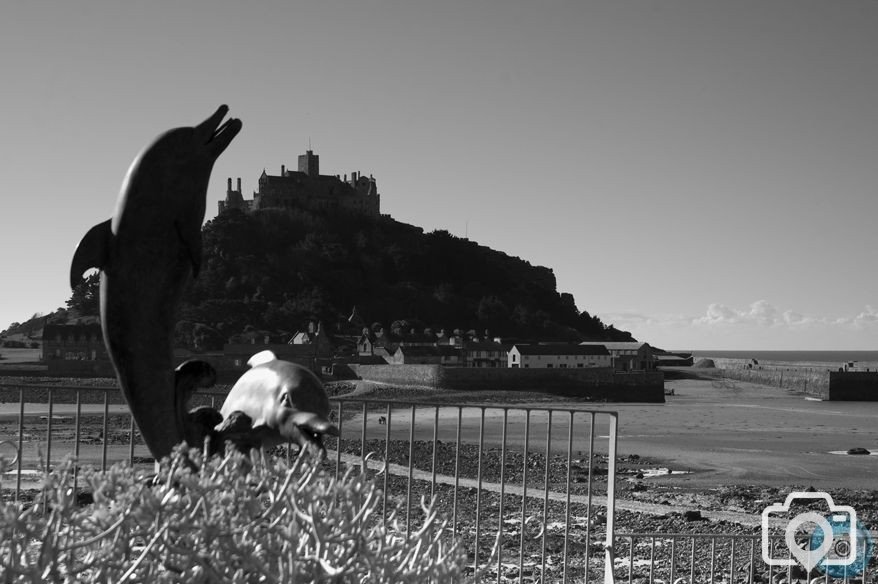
x,y
848,556
842,548
836,543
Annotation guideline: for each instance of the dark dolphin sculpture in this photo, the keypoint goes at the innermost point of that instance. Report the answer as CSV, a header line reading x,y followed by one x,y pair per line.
x,y
146,253
275,402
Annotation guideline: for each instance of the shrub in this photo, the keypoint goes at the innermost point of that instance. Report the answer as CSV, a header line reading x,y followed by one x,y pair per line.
x,y
216,520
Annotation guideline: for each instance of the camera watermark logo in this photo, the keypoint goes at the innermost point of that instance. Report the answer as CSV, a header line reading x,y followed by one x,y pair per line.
x,y
837,543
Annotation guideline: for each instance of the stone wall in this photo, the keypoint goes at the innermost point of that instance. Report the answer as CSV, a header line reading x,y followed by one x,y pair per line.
x,y
811,381
596,383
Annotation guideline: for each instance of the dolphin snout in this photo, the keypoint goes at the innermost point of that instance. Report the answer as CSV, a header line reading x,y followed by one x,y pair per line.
x,y
217,135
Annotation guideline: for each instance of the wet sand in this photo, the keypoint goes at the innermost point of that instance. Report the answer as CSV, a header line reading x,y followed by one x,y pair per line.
x,y
725,433
754,434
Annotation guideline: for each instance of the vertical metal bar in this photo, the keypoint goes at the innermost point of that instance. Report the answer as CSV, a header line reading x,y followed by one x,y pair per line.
x,y
524,499
20,441
77,426
611,497
49,432
732,563
106,430
386,464
712,557
408,495
363,439
435,440
502,495
131,442
546,494
456,473
674,560
339,441
479,491
692,565
588,511
567,501
652,559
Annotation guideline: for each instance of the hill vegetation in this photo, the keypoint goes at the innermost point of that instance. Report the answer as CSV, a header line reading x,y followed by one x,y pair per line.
x,y
276,270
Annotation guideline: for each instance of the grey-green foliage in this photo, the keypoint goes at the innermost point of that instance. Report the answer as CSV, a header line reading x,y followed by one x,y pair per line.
x,y
218,520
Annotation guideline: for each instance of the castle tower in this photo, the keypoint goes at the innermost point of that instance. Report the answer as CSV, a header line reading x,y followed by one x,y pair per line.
x,y
309,163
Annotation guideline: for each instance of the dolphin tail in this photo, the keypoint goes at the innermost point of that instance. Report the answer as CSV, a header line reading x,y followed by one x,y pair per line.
x,y
92,251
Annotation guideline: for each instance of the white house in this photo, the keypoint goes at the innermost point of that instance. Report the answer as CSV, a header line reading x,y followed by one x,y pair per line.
x,y
559,356
628,356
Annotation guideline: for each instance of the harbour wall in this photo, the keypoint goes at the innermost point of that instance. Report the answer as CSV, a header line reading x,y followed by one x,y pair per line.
x,y
594,383
818,382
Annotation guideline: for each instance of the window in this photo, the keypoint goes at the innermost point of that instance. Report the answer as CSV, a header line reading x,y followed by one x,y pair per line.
x,y
549,366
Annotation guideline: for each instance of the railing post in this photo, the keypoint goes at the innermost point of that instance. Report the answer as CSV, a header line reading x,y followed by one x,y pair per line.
x,y
20,442
609,553
49,433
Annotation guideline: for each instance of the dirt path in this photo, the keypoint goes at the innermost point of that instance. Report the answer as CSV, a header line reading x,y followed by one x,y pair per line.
x,y
746,519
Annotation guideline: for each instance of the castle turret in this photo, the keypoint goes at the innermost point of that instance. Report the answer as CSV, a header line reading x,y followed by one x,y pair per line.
x,y
309,163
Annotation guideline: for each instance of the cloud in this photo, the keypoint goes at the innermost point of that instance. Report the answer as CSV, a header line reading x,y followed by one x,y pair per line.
x,y
759,314
867,318
759,325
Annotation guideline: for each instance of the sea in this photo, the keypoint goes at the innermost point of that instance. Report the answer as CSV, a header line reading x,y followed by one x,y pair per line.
x,y
829,359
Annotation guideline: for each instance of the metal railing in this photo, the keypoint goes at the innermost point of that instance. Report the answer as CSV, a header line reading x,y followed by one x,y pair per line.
x,y
529,491
651,558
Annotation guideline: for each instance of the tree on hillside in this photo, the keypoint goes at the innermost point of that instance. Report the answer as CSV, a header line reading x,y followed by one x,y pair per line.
x,y
86,296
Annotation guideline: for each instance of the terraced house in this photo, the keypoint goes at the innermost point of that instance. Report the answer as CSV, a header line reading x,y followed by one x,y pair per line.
x,y
559,356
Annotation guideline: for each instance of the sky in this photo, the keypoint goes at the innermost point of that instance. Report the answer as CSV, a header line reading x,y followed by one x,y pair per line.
x,y
701,173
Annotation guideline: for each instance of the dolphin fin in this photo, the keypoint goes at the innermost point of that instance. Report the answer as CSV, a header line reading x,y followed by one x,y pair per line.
x,y
92,252
261,358
192,247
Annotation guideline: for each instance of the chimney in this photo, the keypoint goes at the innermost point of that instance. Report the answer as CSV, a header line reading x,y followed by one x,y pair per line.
x,y
239,184
229,188
283,170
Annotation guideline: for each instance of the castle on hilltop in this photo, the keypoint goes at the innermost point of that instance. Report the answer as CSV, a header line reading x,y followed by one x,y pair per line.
x,y
309,189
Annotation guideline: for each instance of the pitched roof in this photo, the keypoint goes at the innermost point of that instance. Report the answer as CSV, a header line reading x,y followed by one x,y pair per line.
x,y
617,346
562,349
422,351
487,346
